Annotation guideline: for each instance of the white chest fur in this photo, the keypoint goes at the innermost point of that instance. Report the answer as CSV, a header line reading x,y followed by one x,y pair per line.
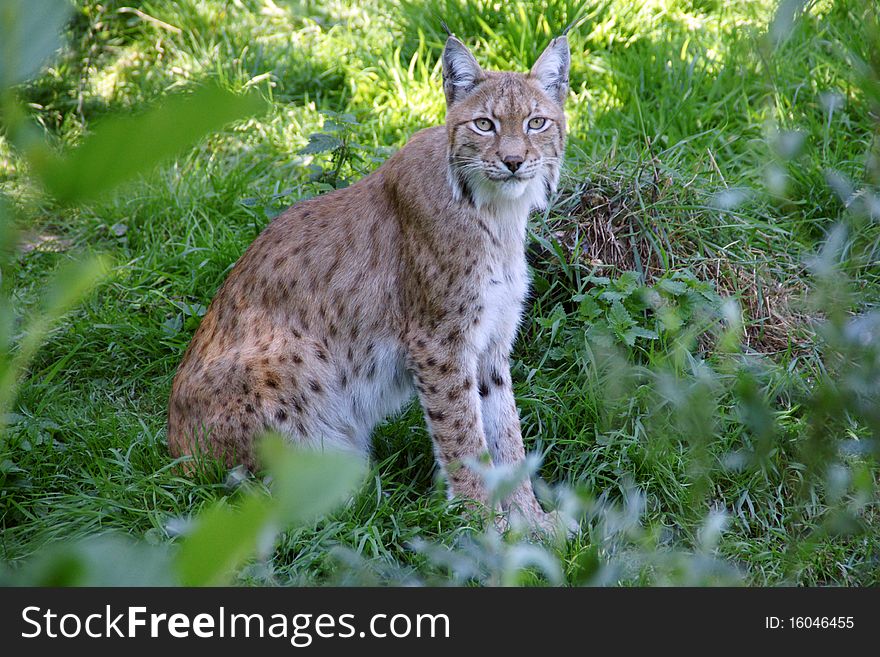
x,y
506,283
502,297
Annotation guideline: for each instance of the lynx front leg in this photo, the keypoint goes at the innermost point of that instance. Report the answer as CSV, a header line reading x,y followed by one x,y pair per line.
x,y
502,428
447,385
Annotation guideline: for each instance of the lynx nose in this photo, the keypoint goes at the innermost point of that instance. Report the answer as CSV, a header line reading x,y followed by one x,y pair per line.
x,y
513,162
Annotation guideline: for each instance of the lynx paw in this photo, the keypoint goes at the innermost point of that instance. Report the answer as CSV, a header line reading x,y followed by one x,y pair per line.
x,y
541,524
554,525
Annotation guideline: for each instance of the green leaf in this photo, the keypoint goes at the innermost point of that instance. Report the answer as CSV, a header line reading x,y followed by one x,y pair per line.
x,y
630,335
223,539
71,282
628,282
710,295
619,317
123,147
557,354
102,560
540,284
675,288
67,287
307,483
320,143
670,317
190,309
31,31
588,308
612,296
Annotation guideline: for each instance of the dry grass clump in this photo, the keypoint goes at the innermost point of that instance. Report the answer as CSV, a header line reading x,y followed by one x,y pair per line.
x,y
650,223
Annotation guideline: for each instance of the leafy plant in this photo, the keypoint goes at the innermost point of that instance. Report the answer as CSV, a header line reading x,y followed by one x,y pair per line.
x,y
346,155
630,311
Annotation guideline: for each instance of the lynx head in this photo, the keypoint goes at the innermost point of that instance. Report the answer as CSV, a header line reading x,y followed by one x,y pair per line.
x,y
506,130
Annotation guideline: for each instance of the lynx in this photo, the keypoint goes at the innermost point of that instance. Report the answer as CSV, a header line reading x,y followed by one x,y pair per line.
x,y
411,280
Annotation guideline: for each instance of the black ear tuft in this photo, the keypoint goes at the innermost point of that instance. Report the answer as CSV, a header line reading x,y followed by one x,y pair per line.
x,y
551,69
461,72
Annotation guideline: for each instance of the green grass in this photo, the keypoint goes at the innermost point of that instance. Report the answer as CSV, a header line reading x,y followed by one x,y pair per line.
x,y
676,107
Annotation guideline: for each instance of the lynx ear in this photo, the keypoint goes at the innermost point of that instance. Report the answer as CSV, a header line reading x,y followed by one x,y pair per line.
x,y
551,69
461,73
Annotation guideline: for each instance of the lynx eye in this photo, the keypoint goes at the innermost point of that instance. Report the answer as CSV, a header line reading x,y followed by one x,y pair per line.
x,y
537,123
484,125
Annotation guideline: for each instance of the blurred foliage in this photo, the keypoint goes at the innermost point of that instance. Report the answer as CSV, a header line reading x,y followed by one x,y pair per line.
x,y
308,484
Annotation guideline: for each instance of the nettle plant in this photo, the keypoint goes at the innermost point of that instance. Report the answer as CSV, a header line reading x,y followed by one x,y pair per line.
x,y
332,159
334,156
634,313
